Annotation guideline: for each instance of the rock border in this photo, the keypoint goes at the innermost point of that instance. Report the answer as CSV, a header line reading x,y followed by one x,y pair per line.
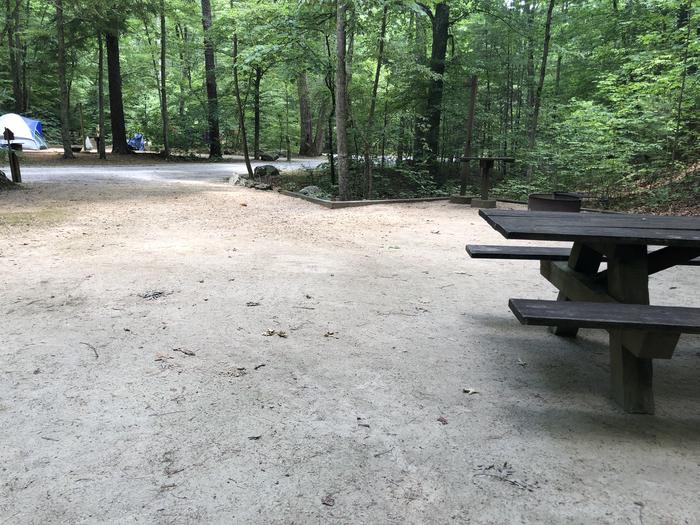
x,y
353,204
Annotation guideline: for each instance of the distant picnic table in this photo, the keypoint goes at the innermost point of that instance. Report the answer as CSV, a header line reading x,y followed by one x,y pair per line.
x,y
485,165
616,298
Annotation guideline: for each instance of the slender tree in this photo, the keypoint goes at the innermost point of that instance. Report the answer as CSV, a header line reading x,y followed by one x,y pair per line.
x,y
165,117
241,109
100,98
341,102
63,84
369,135
532,134
210,73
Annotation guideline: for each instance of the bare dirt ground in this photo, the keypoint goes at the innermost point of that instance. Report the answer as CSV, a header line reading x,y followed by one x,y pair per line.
x,y
137,383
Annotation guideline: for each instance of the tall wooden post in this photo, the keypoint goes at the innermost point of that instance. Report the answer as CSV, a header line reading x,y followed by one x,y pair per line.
x,y
470,128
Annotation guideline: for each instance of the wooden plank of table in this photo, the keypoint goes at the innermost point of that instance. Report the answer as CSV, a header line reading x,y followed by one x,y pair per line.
x,y
607,315
515,228
601,219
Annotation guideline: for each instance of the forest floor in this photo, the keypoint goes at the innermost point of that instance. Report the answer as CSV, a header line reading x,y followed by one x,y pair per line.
x,y
202,353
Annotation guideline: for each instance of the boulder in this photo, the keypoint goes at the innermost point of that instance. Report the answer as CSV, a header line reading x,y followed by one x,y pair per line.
x,y
266,170
311,191
267,157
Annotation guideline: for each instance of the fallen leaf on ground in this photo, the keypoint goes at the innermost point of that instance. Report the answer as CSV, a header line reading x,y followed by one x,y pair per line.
x,y
254,438
251,303
435,231
522,363
282,334
470,391
259,366
269,332
328,500
163,357
243,204
443,420
330,334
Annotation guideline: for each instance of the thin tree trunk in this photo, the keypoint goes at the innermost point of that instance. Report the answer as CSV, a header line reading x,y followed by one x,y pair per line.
x,y
306,121
683,18
241,110
163,83
369,134
341,103
210,73
538,94
116,105
100,98
256,111
320,126
464,172
12,24
63,85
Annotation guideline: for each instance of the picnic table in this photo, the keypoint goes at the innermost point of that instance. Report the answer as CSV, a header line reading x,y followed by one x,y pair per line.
x,y
638,332
485,165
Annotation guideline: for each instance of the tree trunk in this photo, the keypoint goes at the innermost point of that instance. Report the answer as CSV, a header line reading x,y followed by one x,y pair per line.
x,y
210,73
256,112
306,121
538,94
320,126
464,171
341,103
116,105
100,98
163,84
241,110
369,134
430,137
11,24
683,19
63,85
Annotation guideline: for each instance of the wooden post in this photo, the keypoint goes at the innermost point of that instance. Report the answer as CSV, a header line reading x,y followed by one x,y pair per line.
x,y
468,142
631,376
485,165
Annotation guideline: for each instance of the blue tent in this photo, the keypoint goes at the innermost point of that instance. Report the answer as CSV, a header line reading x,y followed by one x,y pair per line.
x,y
28,132
137,143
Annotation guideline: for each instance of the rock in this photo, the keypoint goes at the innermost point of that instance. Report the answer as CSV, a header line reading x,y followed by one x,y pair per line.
x,y
266,170
268,157
310,190
262,186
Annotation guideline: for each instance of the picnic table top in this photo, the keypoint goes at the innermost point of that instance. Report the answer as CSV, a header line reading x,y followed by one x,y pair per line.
x,y
595,227
504,159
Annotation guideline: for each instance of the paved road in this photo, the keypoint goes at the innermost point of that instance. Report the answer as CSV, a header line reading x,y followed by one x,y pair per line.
x,y
173,172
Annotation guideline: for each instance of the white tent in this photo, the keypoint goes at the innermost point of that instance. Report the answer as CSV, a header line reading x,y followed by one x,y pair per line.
x,y
27,132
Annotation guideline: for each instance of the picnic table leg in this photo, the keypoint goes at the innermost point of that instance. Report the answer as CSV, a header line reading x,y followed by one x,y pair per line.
x,y
585,260
631,376
485,165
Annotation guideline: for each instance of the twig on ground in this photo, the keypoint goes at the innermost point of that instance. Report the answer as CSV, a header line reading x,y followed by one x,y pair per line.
x,y
91,348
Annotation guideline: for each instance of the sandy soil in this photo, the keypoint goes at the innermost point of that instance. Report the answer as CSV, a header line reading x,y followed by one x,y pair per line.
x,y
105,417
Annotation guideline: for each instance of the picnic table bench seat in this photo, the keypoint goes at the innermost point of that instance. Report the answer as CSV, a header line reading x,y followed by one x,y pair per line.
x,y
607,315
530,253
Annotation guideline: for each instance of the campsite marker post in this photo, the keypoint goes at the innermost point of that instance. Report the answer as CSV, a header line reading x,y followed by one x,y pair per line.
x,y
14,159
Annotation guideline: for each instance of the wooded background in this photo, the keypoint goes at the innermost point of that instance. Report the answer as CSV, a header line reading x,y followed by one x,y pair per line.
x,y
600,96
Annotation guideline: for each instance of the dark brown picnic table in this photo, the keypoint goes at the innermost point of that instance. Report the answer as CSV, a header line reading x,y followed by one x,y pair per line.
x,y
623,240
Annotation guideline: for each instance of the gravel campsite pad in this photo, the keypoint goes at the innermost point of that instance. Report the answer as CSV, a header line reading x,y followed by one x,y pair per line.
x,y
204,353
